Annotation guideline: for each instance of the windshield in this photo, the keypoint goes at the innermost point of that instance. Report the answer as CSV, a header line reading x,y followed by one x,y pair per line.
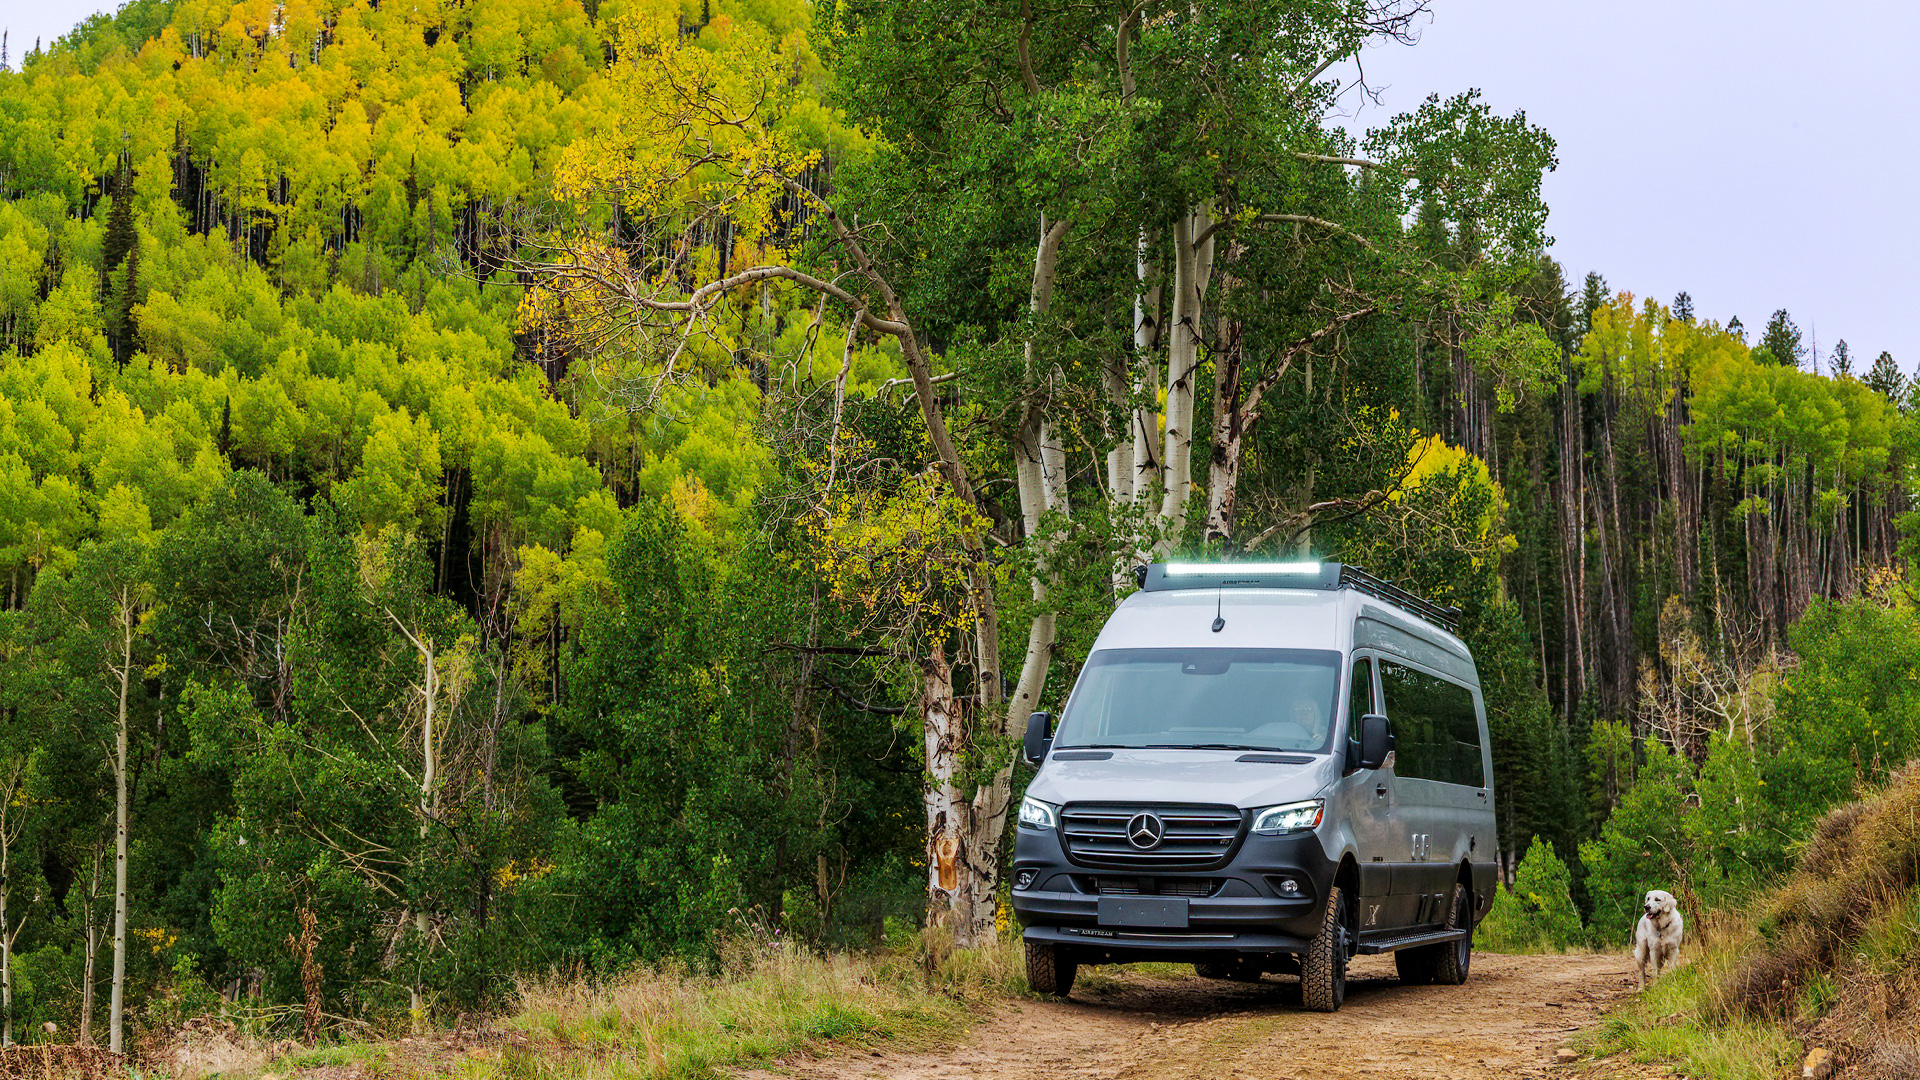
x,y
1239,699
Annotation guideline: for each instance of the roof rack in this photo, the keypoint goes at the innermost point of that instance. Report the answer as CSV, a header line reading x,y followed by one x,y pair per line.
x,y
1352,577
1160,577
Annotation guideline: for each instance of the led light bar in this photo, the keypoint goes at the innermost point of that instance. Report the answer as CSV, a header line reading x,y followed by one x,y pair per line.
x,y
1179,569
1300,574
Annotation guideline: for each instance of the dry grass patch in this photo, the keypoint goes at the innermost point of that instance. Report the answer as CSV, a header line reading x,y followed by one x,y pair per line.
x,y
1837,955
768,1002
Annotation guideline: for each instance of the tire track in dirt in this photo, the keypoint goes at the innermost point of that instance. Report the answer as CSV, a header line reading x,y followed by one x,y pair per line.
x,y
1506,1022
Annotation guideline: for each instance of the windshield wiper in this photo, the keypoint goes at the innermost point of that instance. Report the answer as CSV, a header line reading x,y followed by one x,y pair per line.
x,y
1203,746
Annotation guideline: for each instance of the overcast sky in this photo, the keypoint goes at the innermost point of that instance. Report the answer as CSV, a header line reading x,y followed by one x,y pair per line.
x,y
1758,154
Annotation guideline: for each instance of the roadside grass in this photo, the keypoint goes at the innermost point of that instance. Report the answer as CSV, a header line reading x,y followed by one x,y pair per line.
x,y
370,1056
773,1001
1677,1023
766,999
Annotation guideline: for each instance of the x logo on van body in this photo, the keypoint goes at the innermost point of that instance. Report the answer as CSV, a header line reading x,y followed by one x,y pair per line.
x,y
1145,831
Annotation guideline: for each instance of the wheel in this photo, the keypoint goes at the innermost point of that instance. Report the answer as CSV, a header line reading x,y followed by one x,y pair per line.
x,y
1050,968
1456,957
1323,970
1447,962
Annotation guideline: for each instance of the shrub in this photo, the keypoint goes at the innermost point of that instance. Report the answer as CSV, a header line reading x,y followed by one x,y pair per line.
x,y
1642,846
1537,913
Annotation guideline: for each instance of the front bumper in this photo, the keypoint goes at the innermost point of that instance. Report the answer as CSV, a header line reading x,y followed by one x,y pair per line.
x,y
1240,907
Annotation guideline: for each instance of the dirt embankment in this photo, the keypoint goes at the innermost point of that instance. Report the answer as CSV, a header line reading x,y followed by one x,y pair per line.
x,y
1506,1022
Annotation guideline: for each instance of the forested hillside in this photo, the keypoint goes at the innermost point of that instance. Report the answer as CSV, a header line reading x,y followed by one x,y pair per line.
x,y
509,486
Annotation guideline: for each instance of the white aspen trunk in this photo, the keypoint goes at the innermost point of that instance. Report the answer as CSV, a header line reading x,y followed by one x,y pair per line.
x,y
1130,381
90,945
963,835
1193,263
116,1007
986,824
91,936
429,776
1041,476
1134,476
938,728
1053,470
6,948
11,825
1224,444
1145,434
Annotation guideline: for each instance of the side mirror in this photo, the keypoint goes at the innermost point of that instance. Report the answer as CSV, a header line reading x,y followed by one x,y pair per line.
x,y
1376,741
1039,737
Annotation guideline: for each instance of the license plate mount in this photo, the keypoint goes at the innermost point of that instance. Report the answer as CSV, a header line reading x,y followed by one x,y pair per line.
x,y
1162,912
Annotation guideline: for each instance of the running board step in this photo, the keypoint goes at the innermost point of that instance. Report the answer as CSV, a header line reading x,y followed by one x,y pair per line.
x,y
1435,937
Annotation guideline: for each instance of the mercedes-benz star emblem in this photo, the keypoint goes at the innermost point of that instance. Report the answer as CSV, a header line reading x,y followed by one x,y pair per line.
x,y
1145,831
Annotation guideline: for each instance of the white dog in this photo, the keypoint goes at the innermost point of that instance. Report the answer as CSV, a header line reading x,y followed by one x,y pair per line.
x,y
1656,940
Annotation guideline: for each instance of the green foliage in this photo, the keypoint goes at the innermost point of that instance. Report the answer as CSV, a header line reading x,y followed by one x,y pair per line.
x,y
1535,914
1642,846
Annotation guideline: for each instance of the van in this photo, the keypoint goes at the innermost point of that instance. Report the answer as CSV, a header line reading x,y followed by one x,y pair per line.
x,y
1262,768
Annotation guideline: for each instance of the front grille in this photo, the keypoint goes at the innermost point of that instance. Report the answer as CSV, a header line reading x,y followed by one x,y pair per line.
x,y
1196,837
1131,886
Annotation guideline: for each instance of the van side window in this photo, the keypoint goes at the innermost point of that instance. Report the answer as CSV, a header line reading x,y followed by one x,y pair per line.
x,y
1360,697
1436,730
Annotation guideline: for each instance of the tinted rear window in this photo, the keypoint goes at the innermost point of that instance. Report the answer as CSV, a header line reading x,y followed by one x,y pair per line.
x,y
1435,727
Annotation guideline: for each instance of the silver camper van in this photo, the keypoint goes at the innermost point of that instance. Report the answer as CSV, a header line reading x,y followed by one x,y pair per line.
x,y
1263,767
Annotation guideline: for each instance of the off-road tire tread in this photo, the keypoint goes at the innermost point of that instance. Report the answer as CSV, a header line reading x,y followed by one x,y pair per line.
x,y
1323,968
1452,963
1049,972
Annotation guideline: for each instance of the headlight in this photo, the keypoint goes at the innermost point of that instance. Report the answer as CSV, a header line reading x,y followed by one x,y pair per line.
x,y
1035,814
1291,817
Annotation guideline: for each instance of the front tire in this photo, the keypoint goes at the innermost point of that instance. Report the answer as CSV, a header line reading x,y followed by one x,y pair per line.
x,y
1050,968
1323,970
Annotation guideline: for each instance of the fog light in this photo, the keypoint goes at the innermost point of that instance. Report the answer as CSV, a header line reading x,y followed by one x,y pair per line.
x,y
1023,879
1290,887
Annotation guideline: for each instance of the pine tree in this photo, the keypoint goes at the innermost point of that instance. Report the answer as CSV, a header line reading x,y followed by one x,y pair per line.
x,y
1886,379
129,281
1683,307
1737,330
1593,296
117,248
120,236
1782,339
1842,359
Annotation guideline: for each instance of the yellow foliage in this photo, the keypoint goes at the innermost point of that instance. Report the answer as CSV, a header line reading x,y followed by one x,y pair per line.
x,y
894,549
1432,457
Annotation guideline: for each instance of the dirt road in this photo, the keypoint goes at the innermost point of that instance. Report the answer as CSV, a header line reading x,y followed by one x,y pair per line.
x,y
1506,1022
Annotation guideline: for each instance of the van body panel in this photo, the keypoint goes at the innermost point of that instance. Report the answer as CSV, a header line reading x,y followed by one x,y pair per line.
x,y
1176,776
1376,631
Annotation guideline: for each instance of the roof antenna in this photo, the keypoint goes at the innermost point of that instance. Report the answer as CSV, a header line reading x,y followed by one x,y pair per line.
x,y
1219,621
